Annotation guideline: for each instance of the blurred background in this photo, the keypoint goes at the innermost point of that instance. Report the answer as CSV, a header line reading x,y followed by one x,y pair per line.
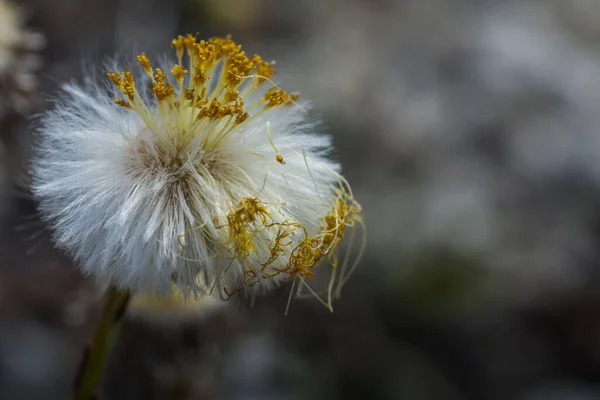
x,y
470,131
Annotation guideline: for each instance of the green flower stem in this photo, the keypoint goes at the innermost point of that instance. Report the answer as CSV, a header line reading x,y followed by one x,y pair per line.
x,y
97,350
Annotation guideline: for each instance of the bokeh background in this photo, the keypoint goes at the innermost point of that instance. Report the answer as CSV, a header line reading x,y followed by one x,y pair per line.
x,y
470,131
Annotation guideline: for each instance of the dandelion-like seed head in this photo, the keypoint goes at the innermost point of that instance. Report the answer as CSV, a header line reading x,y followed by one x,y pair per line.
x,y
18,60
204,174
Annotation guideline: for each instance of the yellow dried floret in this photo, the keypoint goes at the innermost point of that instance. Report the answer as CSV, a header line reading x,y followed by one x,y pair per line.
x,y
249,211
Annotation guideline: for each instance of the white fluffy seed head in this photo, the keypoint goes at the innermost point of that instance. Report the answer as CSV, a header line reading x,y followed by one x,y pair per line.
x,y
210,178
18,60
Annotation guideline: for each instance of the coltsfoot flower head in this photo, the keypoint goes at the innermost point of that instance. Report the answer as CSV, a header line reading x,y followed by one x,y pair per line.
x,y
205,175
18,60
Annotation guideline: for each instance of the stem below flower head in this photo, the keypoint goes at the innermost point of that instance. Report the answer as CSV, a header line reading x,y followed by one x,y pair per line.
x,y
97,350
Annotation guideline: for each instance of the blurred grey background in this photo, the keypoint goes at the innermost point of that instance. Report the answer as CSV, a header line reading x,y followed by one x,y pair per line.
x,y
470,131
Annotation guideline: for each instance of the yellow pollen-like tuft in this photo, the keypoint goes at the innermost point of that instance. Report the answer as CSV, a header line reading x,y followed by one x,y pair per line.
x,y
124,82
186,103
145,63
278,97
162,89
232,96
264,71
116,79
284,231
123,103
302,255
179,72
343,213
249,211
199,76
178,44
303,258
